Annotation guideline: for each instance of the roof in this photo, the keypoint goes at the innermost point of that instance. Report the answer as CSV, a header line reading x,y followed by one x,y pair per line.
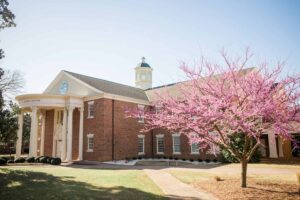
x,y
111,87
143,64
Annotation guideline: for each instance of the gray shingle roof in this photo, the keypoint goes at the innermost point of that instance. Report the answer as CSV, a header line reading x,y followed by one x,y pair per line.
x,y
111,87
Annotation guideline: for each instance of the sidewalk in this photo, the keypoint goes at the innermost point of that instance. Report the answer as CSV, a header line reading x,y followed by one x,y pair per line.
x,y
175,189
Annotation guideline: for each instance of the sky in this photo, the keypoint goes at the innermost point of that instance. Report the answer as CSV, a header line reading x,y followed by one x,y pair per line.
x,y
106,39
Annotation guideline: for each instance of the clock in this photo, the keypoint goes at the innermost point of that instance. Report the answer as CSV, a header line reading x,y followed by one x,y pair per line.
x,y
63,88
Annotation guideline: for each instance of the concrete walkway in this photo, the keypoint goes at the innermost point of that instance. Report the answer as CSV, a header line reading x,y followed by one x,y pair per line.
x,y
175,189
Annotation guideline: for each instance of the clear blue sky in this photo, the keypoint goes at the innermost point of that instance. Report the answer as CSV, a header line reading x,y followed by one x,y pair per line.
x,y
106,39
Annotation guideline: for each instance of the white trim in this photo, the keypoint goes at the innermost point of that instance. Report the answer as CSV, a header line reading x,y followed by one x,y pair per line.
x,y
173,136
193,152
142,137
88,137
160,136
116,97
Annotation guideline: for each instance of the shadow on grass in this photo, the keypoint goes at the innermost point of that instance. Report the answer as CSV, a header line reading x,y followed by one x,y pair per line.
x,y
19,184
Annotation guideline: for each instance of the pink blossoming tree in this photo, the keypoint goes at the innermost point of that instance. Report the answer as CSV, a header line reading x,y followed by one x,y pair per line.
x,y
218,101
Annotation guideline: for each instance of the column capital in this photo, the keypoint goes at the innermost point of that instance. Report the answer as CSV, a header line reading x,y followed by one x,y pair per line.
x,y
81,109
70,108
34,108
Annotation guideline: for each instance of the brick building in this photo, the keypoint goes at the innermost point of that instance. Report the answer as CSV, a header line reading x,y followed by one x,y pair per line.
x,y
80,117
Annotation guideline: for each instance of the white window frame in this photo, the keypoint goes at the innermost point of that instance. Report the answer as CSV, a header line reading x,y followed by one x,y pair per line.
x,y
159,136
198,149
173,136
89,136
142,116
141,137
91,103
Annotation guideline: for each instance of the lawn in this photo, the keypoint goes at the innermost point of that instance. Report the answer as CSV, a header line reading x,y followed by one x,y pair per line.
x,y
263,187
56,182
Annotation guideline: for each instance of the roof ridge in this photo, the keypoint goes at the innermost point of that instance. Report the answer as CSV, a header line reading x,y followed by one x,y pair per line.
x,y
102,80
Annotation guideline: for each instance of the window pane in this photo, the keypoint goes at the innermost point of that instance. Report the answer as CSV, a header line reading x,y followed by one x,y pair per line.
x,y
90,143
160,145
91,111
141,145
176,144
195,148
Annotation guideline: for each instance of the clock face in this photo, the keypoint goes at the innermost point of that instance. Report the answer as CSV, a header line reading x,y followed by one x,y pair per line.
x,y
63,88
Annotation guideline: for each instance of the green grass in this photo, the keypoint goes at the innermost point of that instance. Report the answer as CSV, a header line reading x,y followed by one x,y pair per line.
x,y
47,182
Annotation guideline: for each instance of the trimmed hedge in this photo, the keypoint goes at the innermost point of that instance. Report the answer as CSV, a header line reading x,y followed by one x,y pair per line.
x,y
55,161
2,161
20,160
30,159
10,161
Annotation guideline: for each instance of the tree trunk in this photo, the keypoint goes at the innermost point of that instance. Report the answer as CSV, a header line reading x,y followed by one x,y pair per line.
x,y
244,172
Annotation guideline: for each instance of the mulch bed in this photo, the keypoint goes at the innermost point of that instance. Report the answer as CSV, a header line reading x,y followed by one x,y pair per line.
x,y
230,189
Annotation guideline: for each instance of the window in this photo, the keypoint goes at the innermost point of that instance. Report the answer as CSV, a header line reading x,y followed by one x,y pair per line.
x,y
90,142
194,144
176,143
141,113
194,148
160,144
91,110
141,144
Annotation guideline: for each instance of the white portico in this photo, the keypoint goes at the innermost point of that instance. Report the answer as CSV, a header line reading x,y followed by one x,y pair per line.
x,y
63,107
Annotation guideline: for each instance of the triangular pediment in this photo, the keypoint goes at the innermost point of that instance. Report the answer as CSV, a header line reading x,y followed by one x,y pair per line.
x,y
66,84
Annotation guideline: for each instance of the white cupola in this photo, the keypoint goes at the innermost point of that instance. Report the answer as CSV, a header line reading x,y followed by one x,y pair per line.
x,y
143,75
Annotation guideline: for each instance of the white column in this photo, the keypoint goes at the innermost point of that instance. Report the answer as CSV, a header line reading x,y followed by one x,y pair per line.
x,y
64,136
81,135
43,114
20,135
33,133
70,133
280,143
272,145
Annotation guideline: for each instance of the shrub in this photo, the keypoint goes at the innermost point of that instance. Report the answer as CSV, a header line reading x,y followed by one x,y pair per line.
x,y
175,158
237,141
10,161
30,159
8,158
37,159
43,159
20,160
200,160
140,158
207,160
171,158
48,160
215,160
133,158
55,161
183,159
165,157
192,160
2,161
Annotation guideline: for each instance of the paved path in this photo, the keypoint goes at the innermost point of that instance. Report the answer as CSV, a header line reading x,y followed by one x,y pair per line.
x,y
175,189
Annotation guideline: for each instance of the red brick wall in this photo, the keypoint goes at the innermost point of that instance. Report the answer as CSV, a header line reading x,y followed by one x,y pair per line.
x,y
185,147
49,123
125,132
102,142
